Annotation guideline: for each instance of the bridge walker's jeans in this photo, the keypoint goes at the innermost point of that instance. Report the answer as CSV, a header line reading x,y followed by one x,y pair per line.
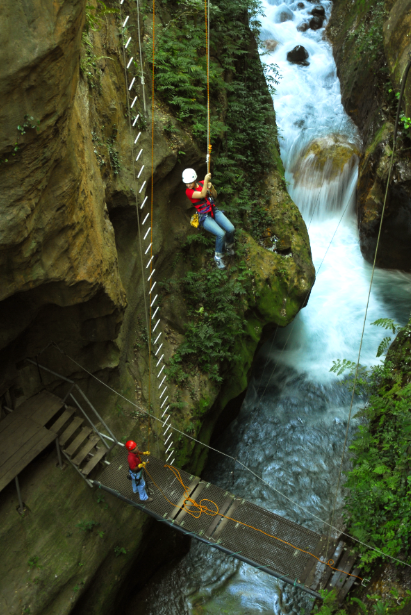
x,y
139,485
221,227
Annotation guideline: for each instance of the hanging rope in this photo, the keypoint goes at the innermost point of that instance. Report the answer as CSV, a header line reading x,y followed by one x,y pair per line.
x,y
207,38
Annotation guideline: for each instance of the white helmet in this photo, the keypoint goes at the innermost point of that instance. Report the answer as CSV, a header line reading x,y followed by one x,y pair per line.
x,y
189,176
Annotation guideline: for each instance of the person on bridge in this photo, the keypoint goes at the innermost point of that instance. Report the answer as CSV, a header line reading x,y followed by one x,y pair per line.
x,y
202,195
136,471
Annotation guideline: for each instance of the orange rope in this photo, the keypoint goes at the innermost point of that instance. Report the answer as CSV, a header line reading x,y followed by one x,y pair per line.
x,y
208,88
196,509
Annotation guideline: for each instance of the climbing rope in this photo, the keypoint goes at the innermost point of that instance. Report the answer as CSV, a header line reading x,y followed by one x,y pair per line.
x,y
403,83
207,39
196,509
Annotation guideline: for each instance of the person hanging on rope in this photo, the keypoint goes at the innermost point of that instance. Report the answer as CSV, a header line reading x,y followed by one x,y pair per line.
x,y
136,471
202,195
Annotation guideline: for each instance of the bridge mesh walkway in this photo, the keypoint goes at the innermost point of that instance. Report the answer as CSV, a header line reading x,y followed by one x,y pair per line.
x,y
275,557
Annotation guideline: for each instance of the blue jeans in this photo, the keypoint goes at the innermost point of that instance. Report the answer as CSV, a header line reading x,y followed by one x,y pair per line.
x,y
139,485
221,227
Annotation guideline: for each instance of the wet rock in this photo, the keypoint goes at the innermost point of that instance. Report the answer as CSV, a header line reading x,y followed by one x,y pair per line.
x,y
283,13
298,55
318,11
270,44
301,5
324,158
303,27
316,23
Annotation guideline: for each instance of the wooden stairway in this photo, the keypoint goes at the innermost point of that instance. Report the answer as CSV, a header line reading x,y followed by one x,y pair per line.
x,y
319,576
79,443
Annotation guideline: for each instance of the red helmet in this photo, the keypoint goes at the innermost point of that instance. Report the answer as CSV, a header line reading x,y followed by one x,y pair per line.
x,y
130,445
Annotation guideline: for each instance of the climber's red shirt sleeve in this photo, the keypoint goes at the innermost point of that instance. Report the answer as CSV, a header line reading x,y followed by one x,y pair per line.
x,y
133,461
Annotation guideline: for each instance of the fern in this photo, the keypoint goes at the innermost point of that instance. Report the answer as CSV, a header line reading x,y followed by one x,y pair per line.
x,y
384,345
387,323
341,365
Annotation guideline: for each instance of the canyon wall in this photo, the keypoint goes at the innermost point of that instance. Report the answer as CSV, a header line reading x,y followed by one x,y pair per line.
x,y
371,47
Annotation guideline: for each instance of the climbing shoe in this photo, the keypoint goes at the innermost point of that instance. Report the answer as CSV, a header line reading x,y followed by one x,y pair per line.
x,y
218,258
229,249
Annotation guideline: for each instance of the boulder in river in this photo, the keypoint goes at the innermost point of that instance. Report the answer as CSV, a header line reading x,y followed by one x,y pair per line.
x,y
301,5
270,44
303,27
318,11
298,55
316,23
283,13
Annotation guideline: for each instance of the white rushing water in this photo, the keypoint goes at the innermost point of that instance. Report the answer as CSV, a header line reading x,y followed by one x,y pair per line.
x,y
292,423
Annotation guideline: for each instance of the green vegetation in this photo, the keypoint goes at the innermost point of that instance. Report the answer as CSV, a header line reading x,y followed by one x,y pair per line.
x,y
368,37
119,551
392,605
215,301
379,484
243,131
86,526
34,562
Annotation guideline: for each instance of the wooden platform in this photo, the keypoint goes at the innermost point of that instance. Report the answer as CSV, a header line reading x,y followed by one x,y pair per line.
x,y
23,434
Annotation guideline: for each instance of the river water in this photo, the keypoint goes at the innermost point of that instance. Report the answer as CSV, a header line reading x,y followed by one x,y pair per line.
x,y
292,424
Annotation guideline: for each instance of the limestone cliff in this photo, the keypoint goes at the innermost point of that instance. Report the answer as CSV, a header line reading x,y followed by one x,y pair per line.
x,y
371,48
71,273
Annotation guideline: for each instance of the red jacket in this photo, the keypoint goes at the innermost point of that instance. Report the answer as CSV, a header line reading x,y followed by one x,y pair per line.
x,y
203,205
133,461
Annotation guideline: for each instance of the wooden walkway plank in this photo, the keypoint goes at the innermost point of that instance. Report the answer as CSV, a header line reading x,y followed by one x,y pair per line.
x,y
224,520
85,450
197,491
78,441
328,570
41,408
183,498
348,584
60,423
15,438
223,508
345,564
19,461
98,456
71,429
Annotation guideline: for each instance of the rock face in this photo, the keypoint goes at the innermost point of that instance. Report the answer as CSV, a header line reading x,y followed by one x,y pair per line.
x,y
371,61
283,13
316,23
318,11
298,55
270,44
